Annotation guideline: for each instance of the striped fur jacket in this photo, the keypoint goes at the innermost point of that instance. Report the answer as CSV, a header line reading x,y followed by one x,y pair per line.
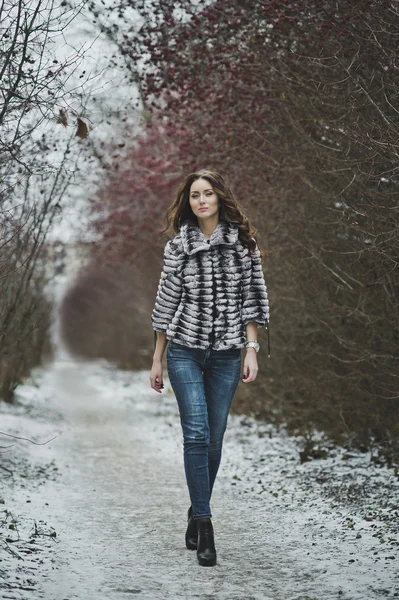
x,y
209,290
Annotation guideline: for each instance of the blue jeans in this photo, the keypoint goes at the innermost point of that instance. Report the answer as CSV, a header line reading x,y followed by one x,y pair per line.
x,y
204,383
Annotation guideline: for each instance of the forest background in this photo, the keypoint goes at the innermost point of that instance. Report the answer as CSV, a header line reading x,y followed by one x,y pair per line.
x,y
296,103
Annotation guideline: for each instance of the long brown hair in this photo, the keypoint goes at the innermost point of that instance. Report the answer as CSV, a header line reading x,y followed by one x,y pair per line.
x,y
229,211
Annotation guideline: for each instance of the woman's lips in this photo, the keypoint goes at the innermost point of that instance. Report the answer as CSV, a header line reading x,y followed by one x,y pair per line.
x,y
202,209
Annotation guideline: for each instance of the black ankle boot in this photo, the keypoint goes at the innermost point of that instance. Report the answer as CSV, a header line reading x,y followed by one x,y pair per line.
x,y
206,552
191,533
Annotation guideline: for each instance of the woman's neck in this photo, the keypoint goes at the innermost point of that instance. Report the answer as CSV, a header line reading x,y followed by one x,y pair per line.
x,y
208,226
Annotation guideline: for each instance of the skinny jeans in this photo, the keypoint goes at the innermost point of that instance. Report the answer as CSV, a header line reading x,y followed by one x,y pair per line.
x,y
204,383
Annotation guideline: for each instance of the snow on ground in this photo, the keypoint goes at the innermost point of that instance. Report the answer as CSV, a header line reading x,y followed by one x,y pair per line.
x,y
109,499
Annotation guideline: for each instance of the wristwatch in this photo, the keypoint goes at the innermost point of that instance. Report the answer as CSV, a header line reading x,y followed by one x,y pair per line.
x,y
253,344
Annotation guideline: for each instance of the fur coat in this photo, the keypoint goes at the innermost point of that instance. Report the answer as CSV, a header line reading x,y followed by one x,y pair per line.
x,y
209,290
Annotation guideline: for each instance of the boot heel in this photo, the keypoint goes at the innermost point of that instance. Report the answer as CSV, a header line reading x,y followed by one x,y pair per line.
x,y
191,533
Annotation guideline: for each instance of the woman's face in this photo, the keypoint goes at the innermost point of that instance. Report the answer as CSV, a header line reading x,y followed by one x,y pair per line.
x,y
203,200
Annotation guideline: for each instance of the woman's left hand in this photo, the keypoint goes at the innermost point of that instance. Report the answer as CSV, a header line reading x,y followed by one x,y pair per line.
x,y
250,368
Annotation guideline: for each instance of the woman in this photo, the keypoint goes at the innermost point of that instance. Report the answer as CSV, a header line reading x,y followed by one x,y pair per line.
x,y
211,299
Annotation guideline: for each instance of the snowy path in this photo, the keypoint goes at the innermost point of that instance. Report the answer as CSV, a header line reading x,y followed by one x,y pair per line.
x,y
119,505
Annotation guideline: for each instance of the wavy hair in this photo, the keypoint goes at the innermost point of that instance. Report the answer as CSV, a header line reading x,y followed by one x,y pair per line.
x,y
229,210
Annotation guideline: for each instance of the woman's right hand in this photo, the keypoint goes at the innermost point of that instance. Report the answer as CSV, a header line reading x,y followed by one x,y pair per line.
x,y
156,377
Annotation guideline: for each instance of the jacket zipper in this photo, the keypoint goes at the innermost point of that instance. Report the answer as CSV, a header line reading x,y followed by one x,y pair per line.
x,y
212,336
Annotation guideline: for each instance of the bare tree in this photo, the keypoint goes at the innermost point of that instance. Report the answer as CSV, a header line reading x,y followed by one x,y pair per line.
x,y
40,99
36,76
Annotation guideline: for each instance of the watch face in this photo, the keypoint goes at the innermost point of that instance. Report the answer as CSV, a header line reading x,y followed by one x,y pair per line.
x,y
254,345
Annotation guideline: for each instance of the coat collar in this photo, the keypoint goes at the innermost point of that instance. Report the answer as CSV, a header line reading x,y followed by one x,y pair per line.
x,y
193,239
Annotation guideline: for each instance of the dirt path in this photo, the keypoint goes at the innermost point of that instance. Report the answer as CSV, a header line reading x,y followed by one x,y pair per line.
x,y
119,500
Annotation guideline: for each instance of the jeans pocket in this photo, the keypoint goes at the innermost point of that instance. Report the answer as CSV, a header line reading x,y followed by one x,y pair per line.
x,y
172,344
174,348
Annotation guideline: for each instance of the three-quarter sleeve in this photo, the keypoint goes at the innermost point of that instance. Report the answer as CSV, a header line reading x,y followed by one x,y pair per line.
x,y
255,302
169,289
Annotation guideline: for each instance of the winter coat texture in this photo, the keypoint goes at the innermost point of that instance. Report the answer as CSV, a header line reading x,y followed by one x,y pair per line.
x,y
210,289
